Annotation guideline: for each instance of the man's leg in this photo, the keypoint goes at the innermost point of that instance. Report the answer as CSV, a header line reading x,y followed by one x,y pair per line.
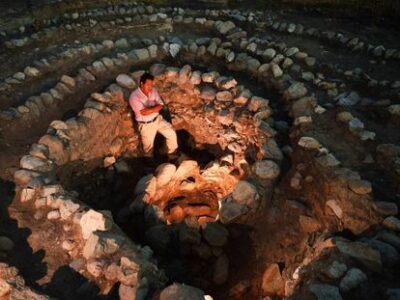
x,y
148,133
166,129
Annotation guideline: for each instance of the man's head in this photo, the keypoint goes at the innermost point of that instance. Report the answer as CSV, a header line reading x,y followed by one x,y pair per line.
x,y
146,83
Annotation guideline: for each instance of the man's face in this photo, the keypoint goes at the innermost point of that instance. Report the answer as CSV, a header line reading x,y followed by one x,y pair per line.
x,y
146,86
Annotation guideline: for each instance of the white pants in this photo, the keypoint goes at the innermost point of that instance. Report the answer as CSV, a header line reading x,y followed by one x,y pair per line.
x,y
148,133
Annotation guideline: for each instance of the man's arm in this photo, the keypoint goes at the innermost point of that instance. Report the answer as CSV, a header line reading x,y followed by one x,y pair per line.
x,y
150,110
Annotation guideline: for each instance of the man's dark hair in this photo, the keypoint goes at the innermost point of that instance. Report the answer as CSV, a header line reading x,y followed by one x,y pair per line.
x,y
146,76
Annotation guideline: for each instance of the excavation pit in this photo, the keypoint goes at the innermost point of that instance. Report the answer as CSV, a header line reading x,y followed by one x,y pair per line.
x,y
233,215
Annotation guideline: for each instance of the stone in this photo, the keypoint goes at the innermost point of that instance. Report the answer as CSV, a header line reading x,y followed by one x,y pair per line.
x,y
253,65
344,117
361,252
215,234
67,208
209,77
230,56
309,143
5,288
230,211
186,169
224,96
195,78
101,243
245,193
92,221
122,43
146,185
126,81
272,281
55,147
97,67
95,267
295,91
30,162
23,109
257,103
325,291
291,51
327,160
386,208
6,244
307,76
310,61
108,62
348,100
19,76
291,28
184,73
87,75
68,245
390,256
32,72
266,169
27,195
287,62
276,70
335,270
392,223
360,186
181,292
335,207
109,161
225,27
24,177
221,270
69,81
355,125
270,150
269,53
189,235
108,44
394,109
164,174
157,69
389,238
208,93
228,83
353,278
303,107
53,215
379,51
174,49
140,54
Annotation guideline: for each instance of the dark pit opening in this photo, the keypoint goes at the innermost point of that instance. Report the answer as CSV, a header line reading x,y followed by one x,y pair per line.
x,y
112,188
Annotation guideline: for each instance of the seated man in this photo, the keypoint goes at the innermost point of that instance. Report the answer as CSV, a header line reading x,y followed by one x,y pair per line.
x,y
146,104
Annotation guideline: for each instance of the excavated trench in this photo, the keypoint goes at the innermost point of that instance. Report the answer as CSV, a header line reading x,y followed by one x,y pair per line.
x,y
183,206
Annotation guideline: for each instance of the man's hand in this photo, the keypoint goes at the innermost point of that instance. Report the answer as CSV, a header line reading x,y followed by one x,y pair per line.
x,y
151,110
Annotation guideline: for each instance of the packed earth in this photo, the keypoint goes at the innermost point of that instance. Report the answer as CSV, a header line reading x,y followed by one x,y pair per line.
x,y
287,182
